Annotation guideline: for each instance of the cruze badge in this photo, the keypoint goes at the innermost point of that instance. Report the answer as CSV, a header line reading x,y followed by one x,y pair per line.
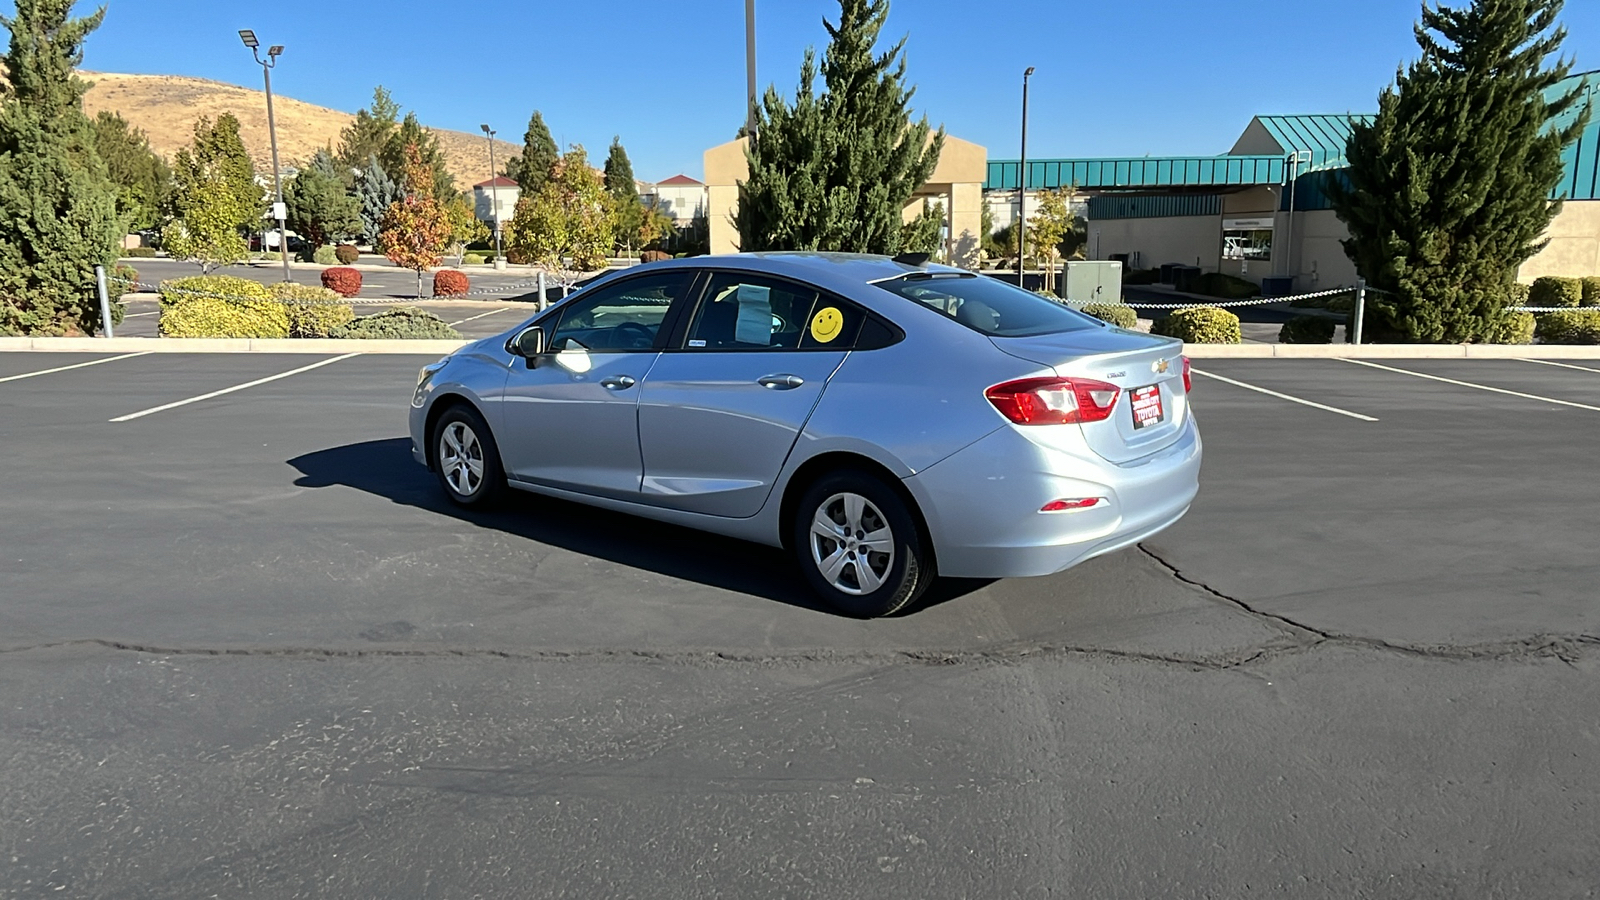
x,y
1160,366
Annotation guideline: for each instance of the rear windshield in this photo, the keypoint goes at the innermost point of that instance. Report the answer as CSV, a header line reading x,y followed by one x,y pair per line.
x,y
989,306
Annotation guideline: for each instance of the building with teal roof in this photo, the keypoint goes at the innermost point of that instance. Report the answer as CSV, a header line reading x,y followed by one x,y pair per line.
x,y
1260,210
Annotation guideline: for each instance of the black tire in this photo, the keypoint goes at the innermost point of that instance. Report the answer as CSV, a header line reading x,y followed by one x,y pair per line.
x,y
895,579
489,486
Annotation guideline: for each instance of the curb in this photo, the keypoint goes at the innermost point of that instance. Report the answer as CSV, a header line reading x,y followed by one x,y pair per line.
x,y
1390,351
327,346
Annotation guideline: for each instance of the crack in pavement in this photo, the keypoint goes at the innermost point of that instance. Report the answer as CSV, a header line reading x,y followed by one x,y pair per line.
x,y
1566,647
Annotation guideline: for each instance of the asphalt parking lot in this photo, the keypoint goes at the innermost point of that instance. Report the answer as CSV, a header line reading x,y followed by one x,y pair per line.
x,y
247,649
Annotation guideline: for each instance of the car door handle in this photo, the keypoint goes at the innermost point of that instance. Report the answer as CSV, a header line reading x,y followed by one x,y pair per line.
x,y
780,382
617,382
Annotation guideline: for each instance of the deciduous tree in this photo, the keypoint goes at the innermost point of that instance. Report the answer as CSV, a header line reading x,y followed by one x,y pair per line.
x,y
835,171
215,197
571,215
1450,185
416,228
1050,224
58,215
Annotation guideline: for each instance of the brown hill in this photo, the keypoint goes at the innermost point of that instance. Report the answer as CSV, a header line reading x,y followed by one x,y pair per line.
x,y
167,106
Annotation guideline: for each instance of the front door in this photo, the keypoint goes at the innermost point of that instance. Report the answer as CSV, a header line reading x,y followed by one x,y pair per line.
x,y
571,421
718,417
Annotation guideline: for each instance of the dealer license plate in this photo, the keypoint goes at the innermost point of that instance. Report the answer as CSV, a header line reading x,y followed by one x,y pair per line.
x,y
1146,406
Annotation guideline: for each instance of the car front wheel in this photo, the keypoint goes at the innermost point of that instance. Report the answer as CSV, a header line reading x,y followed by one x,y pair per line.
x,y
858,545
466,458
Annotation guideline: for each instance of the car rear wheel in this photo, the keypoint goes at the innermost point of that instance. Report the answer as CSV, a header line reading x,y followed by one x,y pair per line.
x,y
466,458
858,545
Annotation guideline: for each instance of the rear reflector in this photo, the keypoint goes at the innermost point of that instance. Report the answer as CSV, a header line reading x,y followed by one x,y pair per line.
x,y
1054,401
1065,505
1188,384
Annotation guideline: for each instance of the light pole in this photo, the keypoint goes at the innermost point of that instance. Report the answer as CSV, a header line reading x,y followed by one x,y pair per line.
x,y
279,211
750,66
494,192
1022,185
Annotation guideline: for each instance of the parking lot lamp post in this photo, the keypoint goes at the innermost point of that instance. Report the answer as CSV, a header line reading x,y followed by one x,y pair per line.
x,y
279,211
1022,185
494,192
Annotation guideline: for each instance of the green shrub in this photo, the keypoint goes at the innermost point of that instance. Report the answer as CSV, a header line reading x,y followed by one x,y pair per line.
x,y
346,254
270,256
1307,330
1200,325
1116,313
1217,284
1553,291
1569,327
221,306
1512,328
325,256
472,259
314,312
140,252
1591,291
402,322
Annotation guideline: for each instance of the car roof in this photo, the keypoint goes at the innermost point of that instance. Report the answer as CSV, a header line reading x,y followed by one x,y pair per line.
x,y
817,266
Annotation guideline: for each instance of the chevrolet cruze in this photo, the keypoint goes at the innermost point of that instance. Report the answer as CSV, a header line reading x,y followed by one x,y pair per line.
x,y
885,420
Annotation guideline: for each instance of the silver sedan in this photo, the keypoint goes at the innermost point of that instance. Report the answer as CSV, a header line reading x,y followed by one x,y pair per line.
x,y
884,420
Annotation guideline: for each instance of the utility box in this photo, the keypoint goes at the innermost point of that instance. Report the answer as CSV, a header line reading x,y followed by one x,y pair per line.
x,y
1091,281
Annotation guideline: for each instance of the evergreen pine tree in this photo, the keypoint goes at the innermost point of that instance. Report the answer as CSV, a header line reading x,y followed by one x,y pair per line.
x,y
631,216
319,207
532,167
411,133
58,215
619,173
1449,186
369,133
836,171
375,193
143,179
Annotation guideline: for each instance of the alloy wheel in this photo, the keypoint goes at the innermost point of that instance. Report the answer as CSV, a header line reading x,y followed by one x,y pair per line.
x,y
461,458
852,544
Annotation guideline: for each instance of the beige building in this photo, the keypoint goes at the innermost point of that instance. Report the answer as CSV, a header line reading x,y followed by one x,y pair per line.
x,y
956,184
680,197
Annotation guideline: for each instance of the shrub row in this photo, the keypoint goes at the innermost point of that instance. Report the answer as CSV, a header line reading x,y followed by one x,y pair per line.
x,y
1573,326
1200,325
324,255
402,322
1554,291
1307,330
1513,328
1116,313
345,282
221,306
140,252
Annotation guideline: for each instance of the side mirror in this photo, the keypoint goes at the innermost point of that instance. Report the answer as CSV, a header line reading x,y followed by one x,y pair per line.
x,y
527,343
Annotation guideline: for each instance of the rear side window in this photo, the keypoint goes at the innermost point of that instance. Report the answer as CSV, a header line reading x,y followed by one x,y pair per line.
x,y
989,306
752,312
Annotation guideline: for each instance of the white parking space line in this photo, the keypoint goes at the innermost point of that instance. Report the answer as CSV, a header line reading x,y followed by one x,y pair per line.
x,y
1299,400
1481,387
1546,362
480,315
137,315
92,362
228,390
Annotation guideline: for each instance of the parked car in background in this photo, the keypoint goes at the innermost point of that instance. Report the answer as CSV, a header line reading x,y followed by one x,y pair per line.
x,y
884,420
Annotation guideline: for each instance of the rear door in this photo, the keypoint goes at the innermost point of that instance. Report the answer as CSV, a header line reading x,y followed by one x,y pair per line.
x,y
571,421
719,414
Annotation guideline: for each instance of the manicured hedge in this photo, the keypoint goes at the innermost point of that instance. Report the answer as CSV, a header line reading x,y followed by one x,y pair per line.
x,y
314,312
1513,328
1116,313
450,283
1200,325
221,306
402,322
347,282
1553,291
140,252
346,254
1576,326
1307,330
472,259
1591,291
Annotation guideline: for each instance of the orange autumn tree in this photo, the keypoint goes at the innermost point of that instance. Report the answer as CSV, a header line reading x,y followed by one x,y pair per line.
x,y
416,228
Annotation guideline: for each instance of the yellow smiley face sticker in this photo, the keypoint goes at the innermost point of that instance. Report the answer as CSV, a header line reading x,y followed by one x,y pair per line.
x,y
826,324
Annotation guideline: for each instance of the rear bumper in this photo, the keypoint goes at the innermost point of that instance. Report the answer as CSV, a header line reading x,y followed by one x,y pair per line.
x,y
982,504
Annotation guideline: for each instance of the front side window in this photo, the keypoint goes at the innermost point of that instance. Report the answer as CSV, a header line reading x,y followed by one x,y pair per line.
x,y
621,317
988,305
749,312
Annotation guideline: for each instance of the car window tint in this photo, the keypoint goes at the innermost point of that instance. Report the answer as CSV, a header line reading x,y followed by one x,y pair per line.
x,y
747,312
988,305
619,317
832,325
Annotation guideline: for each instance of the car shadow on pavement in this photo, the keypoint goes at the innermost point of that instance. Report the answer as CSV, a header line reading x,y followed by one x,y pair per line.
x,y
385,468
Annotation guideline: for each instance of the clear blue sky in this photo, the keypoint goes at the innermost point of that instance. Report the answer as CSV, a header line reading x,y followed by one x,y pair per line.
x,y
1132,77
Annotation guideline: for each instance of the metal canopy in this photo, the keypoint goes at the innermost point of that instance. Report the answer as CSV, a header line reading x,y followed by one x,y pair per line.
x,y
1142,172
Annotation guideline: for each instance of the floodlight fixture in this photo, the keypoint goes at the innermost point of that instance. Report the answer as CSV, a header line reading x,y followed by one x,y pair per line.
x,y
249,38
275,50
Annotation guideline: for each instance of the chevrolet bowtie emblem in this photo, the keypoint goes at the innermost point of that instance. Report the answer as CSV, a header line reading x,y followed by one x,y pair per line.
x,y
1160,366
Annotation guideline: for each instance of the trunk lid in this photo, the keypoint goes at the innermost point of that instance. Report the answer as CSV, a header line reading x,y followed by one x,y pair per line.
x,y
1130,360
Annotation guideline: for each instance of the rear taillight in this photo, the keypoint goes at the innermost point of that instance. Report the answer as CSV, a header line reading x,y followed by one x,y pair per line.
x,y
1188,384
1054,401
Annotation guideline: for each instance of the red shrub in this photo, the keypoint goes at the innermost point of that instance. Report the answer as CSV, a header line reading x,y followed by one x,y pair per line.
x,y
650,256
450,283
346,254
346,282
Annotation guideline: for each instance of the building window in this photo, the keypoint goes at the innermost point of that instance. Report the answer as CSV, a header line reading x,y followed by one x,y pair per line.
x,y
1247,239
